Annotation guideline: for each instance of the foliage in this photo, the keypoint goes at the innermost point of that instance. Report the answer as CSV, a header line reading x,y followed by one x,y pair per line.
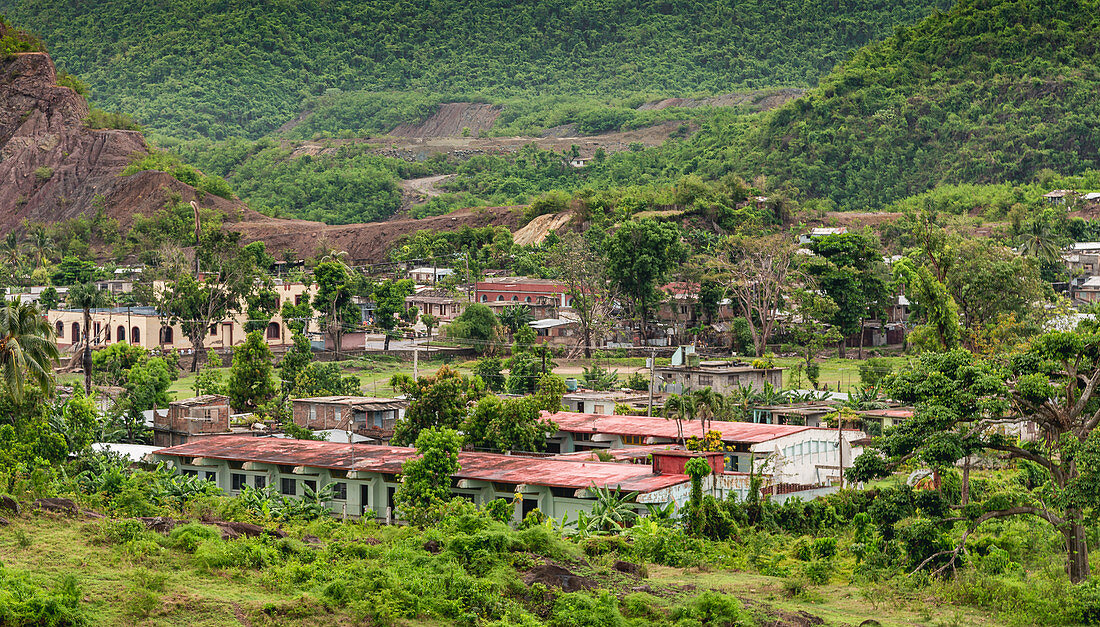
x,y
434,401
324,379
426,479
251,383
389,298
477,325
166,162
489,369
639,255
27,347
510,424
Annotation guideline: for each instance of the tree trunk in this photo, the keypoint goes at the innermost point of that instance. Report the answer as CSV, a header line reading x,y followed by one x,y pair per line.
x,y
861,323
587,342
840,348
87,353
196,348
1077,550
966,481
386,343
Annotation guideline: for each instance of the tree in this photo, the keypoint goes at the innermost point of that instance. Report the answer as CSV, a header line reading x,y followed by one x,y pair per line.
x,y
515,317
939,309
86,296
263,304
962,405
989,281
810,331
848,268
679,408
251,383
294,361
335,287
297,317
512,424
707,404
489,369
27,348
430,322
477,325
147,384
587,286
426,478
12,254
1038,241
48,299
324,379
208,380
757,272
640,254
435,401
389,301
111,363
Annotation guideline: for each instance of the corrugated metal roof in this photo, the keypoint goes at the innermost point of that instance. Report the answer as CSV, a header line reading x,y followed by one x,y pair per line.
x,y
388,459
369,402
200,401
732,432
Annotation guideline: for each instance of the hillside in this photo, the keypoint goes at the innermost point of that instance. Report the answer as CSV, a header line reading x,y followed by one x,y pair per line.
x,y
189,68
986,92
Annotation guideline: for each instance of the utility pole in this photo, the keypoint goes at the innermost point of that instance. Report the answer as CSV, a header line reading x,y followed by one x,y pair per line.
x,y
652,366
198,235
416,363
840,445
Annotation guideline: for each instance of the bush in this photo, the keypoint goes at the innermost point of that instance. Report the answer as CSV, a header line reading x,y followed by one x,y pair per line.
x,y
43,173
189,537
99,119
25,603
712,608
581,609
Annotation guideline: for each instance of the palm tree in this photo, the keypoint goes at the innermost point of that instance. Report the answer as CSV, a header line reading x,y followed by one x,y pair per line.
x,y
513,317
27,347
11,253
1038,241
708,404
87,297
680,408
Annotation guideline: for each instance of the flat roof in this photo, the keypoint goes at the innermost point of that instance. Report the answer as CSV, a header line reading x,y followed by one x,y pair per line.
x,y
715,367
515,469
745,432
607,395
199,401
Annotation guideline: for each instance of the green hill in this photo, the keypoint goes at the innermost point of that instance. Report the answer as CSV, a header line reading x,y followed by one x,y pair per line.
x,y
989,91
192,68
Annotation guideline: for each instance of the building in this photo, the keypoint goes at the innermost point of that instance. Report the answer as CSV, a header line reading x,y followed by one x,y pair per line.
x,y
1060,196
1086,290
792,454
807,415
190,418
563,331
366,416
437,303
819,232
589,402
721,376
429,276
543,296
365,477
148,328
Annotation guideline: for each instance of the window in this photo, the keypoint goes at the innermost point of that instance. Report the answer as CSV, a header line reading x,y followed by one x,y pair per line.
x,y
76,332
706,379
213,329
484,298
528,299
311,484
60,328
273,331
340,491
582,437
500,297
338,413
288,486
166,335
191,473
312,414
238,480
259,482
211,476
135,335
634,440
515,298
120,334
297,299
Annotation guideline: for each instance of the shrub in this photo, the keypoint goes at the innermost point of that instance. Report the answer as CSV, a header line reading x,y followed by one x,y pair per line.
x,y
580,609
25,603
712,608
99,119
43,173
189,537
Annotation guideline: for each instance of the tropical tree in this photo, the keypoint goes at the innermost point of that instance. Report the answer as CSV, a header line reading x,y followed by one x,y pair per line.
x,y
640,254
27,348
434,401
587,285
426,478
515,317
1038,240
679,408
335,287
848,268
430,322
86,296
708,404
389,302
478,325
251,383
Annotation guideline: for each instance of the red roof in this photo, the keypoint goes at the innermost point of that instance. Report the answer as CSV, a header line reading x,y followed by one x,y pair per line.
x,y
732,432
388,459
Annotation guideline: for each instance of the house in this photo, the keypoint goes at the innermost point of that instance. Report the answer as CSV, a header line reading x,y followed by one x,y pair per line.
x,y
803,414
429,276
190,418
363,415
882,418
1060,196
365,477
579,162
819,232
590,402
563,331
1086,291
721,376
793,454
543,296
437,303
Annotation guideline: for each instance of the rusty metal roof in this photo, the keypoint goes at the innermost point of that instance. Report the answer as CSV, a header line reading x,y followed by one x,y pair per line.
x,y
732,432
366,402
388,459
201,401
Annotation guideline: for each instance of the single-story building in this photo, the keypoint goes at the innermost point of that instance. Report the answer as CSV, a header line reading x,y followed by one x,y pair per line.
x,y
191,417
589,402
365,476
723,377
429,276
791,453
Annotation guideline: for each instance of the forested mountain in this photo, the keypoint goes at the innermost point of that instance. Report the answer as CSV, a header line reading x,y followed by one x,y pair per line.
x,y
989,91
193,68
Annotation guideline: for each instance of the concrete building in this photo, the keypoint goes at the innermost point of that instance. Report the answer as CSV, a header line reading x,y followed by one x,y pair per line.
x,y
429,276
721,376
793,454
365,416
437,303
543,296
588,402
821,231
365,477
190,418
805,415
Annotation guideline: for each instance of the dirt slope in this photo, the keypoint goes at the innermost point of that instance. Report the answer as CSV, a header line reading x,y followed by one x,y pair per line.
x,y
756,100
451,118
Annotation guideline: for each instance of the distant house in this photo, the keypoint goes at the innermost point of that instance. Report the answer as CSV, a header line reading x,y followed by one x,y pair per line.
x,y
563,331
721,376
436,303
363,415
429,276
819,232
1087,291
543,296
190,418
588,402
1060,196
579,162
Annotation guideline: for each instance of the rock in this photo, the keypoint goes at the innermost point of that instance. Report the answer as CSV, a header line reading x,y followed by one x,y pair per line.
x,y
66,506
552,575
238,529
641,589
311,539
628,568
371,541
160,524
431,546
9,504
88,513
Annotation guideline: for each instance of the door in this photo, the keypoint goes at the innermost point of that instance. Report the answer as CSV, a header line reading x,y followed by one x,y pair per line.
x,y
364,500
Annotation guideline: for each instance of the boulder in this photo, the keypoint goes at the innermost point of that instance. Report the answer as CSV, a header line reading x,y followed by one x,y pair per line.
x,y
628,568
160,524
66,506
9,504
